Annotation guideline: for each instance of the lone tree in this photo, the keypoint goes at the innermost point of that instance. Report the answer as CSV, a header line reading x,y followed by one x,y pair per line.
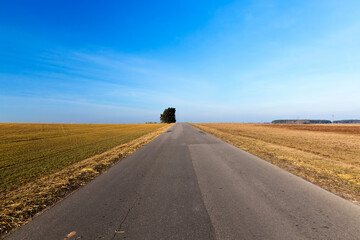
x,y
168,116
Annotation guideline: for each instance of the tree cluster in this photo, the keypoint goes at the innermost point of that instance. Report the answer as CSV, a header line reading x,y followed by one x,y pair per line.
x,y
168,116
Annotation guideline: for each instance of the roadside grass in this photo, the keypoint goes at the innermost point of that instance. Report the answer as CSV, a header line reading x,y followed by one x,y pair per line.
x,y
326,155
43,163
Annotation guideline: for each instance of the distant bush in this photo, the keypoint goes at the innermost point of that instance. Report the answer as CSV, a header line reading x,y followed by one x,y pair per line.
x,y
168,116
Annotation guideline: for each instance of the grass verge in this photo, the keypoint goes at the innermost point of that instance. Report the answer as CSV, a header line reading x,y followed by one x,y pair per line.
x,y
19,205
326,155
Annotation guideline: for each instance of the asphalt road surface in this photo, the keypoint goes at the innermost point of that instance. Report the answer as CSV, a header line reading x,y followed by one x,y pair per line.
x,y
187,184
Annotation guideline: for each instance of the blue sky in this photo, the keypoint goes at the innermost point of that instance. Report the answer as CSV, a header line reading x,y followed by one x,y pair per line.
x,y
214,61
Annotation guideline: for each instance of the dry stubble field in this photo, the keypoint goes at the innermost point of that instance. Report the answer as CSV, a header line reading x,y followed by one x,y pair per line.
x,y
42,163
325,154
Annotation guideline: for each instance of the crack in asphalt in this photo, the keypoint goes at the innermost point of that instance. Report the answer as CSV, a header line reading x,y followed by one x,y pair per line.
x,y
126,215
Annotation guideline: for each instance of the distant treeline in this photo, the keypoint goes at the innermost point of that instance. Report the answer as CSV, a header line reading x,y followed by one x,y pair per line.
x,y
307,121
348,121
300,121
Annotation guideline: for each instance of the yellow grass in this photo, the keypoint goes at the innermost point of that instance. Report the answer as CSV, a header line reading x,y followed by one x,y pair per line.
x,y
71,163
327,155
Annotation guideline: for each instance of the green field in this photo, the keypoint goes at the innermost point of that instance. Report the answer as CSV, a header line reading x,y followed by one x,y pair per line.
x,y
30,151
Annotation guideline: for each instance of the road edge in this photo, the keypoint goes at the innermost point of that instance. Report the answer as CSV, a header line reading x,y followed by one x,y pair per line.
x,y
20,206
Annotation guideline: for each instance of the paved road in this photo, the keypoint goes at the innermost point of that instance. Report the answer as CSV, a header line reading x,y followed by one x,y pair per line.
x,y
188,185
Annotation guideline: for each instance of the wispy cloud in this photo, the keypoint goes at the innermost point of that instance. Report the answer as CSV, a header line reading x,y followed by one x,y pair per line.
x,y
109,80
